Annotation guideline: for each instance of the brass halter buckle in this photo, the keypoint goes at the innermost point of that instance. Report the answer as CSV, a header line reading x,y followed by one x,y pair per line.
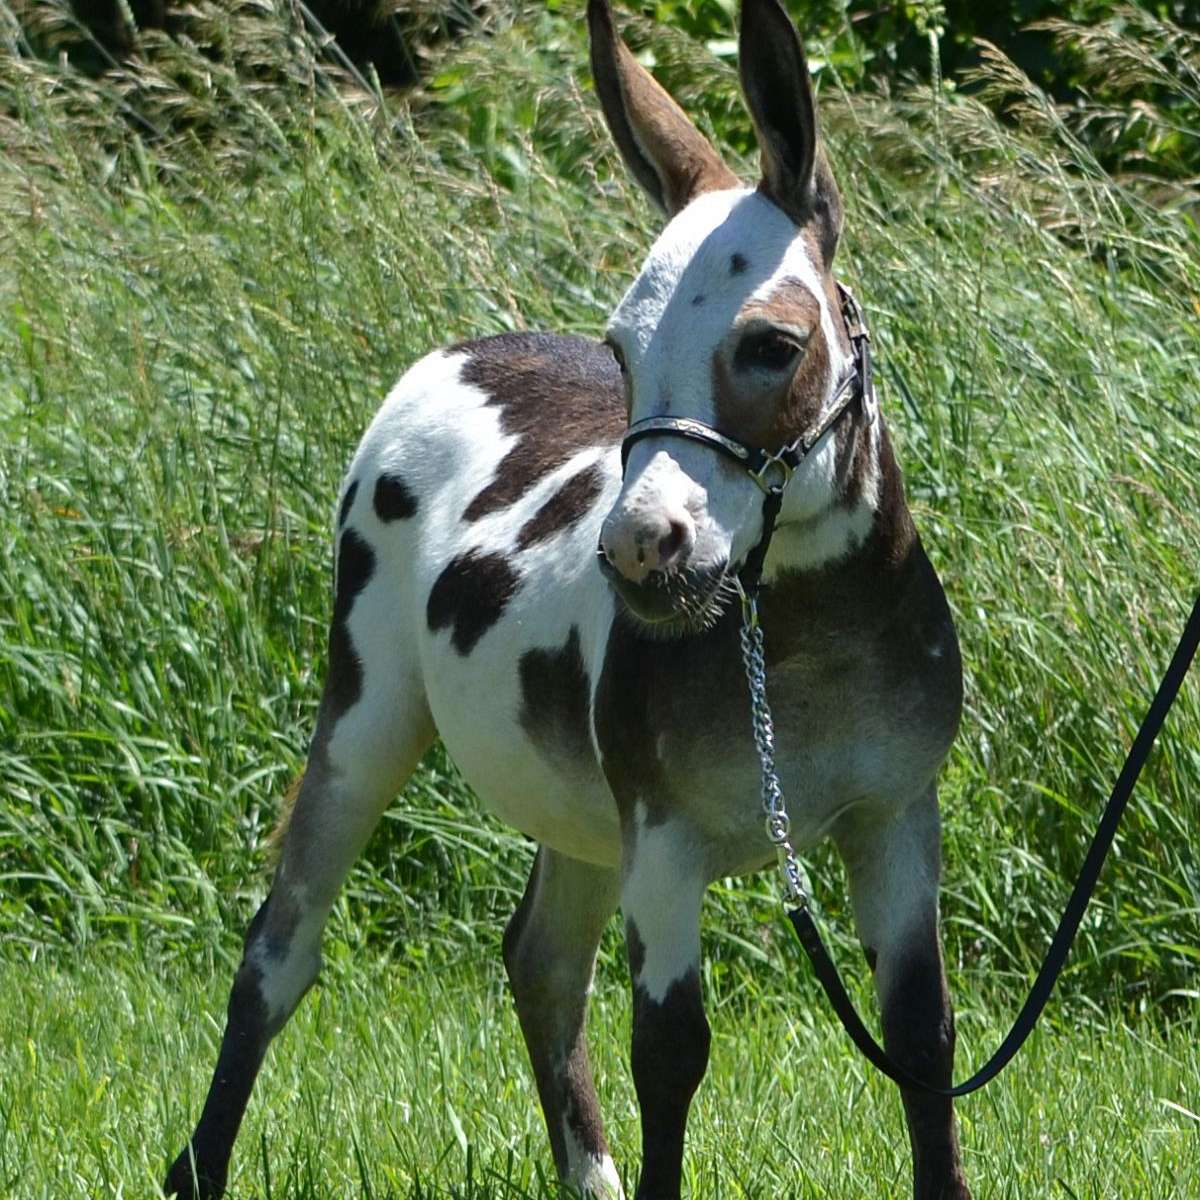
x,y
768,464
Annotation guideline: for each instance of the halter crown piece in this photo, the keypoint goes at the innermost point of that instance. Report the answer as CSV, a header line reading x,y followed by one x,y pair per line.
x,y
773,470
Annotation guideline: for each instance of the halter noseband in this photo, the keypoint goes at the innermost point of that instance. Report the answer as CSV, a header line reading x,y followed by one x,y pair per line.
x,y
773,470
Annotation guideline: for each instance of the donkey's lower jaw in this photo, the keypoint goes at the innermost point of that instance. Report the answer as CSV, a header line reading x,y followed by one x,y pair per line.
x,y
681,606
677,625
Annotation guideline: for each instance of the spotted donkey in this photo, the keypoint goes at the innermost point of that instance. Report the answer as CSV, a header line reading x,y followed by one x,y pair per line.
x,y
597,701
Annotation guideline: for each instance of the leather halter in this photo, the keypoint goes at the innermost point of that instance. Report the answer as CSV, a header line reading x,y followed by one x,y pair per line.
x,y
773,470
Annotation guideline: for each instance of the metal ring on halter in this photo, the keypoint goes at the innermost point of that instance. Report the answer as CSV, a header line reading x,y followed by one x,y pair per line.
x,y
770,461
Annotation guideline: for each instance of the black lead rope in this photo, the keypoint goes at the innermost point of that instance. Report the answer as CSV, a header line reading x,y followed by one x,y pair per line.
x,y
1060,946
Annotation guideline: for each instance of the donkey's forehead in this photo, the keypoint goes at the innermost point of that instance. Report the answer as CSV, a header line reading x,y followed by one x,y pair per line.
x,y
723,251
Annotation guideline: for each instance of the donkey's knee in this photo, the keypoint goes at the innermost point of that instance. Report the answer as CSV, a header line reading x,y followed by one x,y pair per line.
x,y
519,962
671,1038
671,1034
669,1058
549,945
541,974
918,1030
917,1017
281,958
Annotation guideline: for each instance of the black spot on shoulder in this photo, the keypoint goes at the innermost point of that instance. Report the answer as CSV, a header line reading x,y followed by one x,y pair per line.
x,y
558,395
555,695
570,504
471,595
393,501
697,301
347,503
355,566
737,264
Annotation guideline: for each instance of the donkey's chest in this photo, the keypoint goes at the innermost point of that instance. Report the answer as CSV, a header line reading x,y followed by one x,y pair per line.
x,y
673,723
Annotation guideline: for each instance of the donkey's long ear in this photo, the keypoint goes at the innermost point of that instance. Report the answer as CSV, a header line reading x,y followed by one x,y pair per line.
x,y
667,154
779,95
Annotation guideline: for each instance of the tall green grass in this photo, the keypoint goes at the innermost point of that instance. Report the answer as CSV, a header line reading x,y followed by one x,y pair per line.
x,y
197,324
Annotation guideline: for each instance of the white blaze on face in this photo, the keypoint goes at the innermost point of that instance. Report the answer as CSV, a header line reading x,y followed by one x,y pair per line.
x,y
724,251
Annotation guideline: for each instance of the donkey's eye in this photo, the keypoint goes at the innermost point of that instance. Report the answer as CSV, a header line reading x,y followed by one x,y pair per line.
x,y
767,350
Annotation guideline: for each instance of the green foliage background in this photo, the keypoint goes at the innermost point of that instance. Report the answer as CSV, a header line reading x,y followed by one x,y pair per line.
x,y
220,253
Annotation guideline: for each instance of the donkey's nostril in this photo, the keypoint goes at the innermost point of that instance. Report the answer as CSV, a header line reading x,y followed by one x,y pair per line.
x,y
672,543
641,545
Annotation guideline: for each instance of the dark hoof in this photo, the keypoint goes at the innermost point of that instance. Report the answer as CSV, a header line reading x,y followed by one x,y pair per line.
x,y
185,1183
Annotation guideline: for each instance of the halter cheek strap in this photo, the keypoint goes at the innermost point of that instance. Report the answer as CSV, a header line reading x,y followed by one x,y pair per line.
x,y
773,470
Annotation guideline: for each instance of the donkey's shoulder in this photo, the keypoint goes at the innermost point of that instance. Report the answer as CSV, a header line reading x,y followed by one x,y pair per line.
x,y
569,385
494,418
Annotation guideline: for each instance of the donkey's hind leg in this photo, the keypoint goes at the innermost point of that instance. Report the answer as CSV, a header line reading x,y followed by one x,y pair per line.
x,y
894,868
549,952
360,757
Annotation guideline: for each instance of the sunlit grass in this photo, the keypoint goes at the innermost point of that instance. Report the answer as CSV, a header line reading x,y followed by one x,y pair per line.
x,y
394,1081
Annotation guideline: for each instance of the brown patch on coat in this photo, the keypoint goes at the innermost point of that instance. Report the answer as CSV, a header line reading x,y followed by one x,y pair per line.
x,y
471,595
557,395
883,604
791,303
569,505
645,684
555,701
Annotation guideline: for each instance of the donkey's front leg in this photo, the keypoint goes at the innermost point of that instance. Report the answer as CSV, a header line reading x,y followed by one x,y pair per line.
x,y
661,894
549,953
894,868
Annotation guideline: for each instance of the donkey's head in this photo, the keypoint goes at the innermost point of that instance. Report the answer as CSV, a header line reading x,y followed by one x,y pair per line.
x,y
734,322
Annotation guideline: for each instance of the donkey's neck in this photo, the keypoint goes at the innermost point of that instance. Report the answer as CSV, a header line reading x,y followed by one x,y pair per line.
x,y
877,574
861,496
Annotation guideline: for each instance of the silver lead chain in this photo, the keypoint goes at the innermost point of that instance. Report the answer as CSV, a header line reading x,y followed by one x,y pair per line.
x,y
777,823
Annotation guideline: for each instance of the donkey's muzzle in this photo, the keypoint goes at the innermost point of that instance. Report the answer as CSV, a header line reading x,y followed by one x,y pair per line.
x,y
652,546
671,603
